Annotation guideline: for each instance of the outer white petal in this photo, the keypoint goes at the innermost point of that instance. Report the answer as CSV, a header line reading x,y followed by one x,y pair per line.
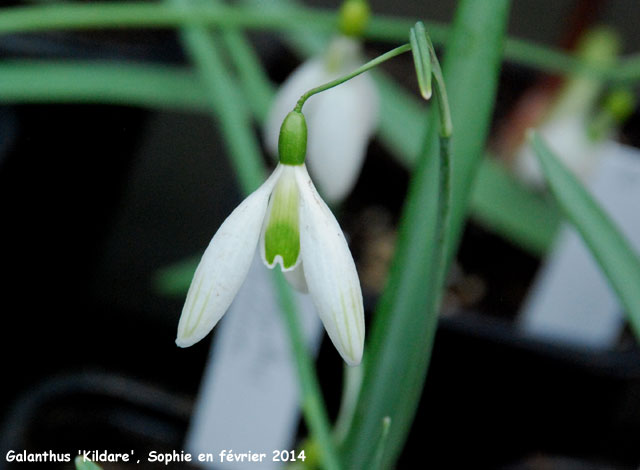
x,y
340,126
224,266
308,75
330,272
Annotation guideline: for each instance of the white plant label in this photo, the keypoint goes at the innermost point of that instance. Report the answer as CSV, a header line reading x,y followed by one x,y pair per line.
x,y
248,403
571,301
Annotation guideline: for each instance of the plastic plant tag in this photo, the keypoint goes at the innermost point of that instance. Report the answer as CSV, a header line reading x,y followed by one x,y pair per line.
x,y
571,301
248,400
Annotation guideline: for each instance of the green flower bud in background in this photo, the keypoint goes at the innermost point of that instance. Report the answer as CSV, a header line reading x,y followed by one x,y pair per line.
x,y
354,16
620,103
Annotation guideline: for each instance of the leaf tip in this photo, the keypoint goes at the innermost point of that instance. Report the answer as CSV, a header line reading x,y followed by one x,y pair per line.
x,y
426,93
386,422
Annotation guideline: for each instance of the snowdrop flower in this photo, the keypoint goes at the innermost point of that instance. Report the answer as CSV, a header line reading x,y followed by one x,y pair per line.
x,y
341,120
569,122
295,230
569,139
579,143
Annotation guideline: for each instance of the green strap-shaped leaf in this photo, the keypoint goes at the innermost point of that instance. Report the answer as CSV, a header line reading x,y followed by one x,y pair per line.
x,y
609,247
279,15
403,328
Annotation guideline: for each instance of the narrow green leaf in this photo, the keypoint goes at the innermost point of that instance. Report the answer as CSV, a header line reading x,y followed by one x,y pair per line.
x,y
136,14
280,15
37,81
253,78
226,103
617,259
501,203
401,336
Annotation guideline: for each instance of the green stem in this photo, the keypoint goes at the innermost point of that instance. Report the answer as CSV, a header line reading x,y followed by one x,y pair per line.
x,y
444,187
401,334
442,224
368,66
444,111
444,183
351,382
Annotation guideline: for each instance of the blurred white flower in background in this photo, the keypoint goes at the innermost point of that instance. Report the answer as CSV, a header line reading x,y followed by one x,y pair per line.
x,y
340,121
569,139
577,121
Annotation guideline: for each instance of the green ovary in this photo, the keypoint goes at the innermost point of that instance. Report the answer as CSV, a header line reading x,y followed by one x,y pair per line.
x,y
282,235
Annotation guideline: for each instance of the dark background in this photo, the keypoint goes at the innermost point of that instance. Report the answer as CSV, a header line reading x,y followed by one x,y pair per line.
x,y
95,199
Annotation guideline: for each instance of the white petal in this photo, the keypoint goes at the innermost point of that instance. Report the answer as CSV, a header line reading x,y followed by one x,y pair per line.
x,y
308,75
330,272
223,266
296,279
343,120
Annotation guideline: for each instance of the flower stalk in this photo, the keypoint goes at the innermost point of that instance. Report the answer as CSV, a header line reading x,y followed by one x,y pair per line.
x,y
444,167
338,81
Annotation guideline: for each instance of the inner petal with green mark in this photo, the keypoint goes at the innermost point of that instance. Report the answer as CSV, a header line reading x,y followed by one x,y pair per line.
x,y
282,232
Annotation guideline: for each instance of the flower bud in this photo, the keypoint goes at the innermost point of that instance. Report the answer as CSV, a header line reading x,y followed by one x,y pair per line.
x,y
354,16
292,143
620,104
